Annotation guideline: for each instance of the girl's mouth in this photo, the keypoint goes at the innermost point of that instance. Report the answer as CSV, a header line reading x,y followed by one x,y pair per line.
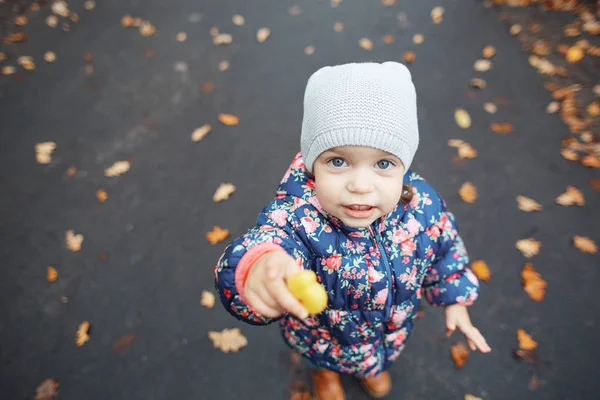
x,y
358,210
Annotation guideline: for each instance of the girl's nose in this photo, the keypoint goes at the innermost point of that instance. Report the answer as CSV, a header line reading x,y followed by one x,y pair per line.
x,y
360,183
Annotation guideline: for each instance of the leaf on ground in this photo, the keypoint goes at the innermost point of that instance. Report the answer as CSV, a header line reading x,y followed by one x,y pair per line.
x,y
459,353
591,161
73,241
47,390
207,87
71,171
223,192
101,195
528,205
18,37
464,149
228,340
552,107
569,154
229,119
526,342
61,8
409,57
481,270
222,38
338,27
468,192
469,396
43,152
572,196
51,274
224,65
263,34
462,118
595,184
437,14
123,343
294,10
217,235
574,54
585,244
490,108
478,83
201,132
308,50
501,127
533,284
82,336
488,51
208,299
418,38
118,168
238,20
181,37
389,39
388,3
147,29
8,70
365,44
482,65
49,56
529,247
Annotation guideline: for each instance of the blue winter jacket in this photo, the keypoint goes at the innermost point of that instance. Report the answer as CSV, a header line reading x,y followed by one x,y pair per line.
x,y
374,277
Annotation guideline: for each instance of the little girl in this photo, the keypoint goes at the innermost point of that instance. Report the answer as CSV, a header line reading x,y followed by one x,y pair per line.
x,y
377,235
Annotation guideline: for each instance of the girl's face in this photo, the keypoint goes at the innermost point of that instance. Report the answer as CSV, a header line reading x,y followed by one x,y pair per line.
x,y
358,184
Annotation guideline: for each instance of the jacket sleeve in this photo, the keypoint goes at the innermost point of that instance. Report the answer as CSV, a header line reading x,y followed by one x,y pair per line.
x,y
449,280
274,231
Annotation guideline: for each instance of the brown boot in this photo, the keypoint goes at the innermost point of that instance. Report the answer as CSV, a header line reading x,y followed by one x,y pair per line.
x,y
327,385
378,386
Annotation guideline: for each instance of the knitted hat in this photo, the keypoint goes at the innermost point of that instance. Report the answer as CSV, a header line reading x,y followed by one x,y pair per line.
x,y
360,104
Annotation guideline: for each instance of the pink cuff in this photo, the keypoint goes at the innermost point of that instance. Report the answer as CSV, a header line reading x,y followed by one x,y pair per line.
x,y
248,260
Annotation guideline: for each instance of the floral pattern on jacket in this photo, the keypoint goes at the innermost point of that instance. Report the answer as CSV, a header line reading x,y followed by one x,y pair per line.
x,y
375,277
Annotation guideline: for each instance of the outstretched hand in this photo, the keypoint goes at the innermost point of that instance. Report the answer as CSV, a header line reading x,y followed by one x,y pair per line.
x,y
457,317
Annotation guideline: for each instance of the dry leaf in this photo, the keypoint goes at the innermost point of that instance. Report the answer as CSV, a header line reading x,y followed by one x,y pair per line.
x,y
529,247
21,20
123,343
308,50
200,133
101,195
593,109
181,36
71,171
49,57
469,396
569,154
229,119
409,57
18,37
47,390
459,353
60,8
482,65
223,65
525,341
462,118
464,149
488,52
127,21
223,192
481,270
478,83
338,27
585,244
501,127
147,29
553,107
8,70
527,204
595,184
74,17
222,38
490,108
572,196
208,299
217,235
73,241
82,335
533,284
118,168
228,340
388,3
207,87
263,34
2,56
468,192
437,14
26,62
89,5
418,38
43,152
365,44
239,20
590,161
574,54
51,274
294,10
389,39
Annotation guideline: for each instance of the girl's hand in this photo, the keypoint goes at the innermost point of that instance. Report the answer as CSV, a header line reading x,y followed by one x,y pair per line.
x,y
266,290
457,316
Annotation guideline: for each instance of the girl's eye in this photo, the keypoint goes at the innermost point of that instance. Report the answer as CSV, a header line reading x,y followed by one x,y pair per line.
x,y
337,162
384,164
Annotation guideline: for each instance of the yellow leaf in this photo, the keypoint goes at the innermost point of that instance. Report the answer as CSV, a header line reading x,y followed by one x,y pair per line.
x,y
47,390
529,247
228,340
223,192
574,54
49,57
365,44
481,270
51,274
181,36
437,14
200,133
222,38
217,235
389,39
409,57
553,107
527,204
239,20
263,34
462,118
525,341
338,27
572,196
208,299
418,38
488,52
101,195
533,284
118,168
468,192
478,83
490,108
482,65
585,244
591,161
43,152
73,241
82,335
229,119
469,396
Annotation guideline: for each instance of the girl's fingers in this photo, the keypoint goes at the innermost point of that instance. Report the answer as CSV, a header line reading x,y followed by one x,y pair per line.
x,y
285,299
259,306
478,340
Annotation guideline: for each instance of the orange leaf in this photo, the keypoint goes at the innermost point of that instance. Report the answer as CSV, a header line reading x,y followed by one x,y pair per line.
x,y
82,335
217,235
595,184
527,204
481,270
123,343
228,340
409,57
533,284
468,192
51,274
229,119
529,247
47,390
590,161
459,353
502,127
570,197
101,195
525,341
585,244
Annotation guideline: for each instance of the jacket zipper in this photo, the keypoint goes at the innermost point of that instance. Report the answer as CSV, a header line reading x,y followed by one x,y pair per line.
x,y
386,263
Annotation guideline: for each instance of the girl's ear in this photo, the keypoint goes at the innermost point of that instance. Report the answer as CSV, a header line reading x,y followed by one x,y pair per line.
x,y
407,194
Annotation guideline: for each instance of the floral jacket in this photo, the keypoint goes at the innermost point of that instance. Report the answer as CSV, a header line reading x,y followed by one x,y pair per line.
x,y
375,277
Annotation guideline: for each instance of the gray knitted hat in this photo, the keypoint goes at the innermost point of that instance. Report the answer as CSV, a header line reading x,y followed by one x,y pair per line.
x,y
360,104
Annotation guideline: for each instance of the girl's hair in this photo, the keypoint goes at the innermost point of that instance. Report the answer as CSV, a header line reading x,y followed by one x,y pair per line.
x,y
407,194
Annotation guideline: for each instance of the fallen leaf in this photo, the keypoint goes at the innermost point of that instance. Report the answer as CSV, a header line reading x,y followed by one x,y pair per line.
x,y
89,5
18,37
181,37
229,119
238,20
51,274
214,31
481,270
335,3
365,44
308,50
488,52
2,56
574,54
525,340
207,87
61,8
74,17
26,62
468,192
228,340
89,69
49,57
294,10
501,127
123,343
223,192
585,244
43,152
529,247
388,3
222,38
200,133
459,353
490,108
223,65
47,390
21,20
208,299
101,195
126,21
418,38
263,34
478,83
533,284
217,235
595,184
389,39
569,154
118,168
464,149
469,396
338,27
553,107
528,205
593,109
572,196
71,171
409,57
73,241
437,14
147,29
482,65
462,118
591,161
82,335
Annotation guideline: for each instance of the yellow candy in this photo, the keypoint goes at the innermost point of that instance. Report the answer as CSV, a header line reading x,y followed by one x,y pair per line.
x,y
308,291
